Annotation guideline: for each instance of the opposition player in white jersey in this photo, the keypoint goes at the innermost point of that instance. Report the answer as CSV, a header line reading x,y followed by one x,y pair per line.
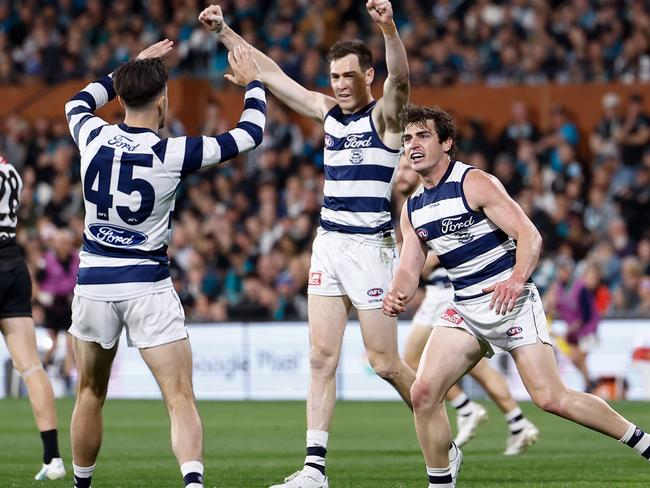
x,y
17,325
489,248
354,253
129,177
439,292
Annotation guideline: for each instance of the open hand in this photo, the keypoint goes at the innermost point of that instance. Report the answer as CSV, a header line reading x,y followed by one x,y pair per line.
x,y
505,295
157,50
244,67
394,303
381,11
212,18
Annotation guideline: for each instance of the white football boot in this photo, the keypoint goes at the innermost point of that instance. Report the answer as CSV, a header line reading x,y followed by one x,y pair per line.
x,y
305,478
53,471
518,443
467,425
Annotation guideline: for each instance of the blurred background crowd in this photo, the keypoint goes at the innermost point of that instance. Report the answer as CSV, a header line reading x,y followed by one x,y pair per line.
x,y
242,233
448,41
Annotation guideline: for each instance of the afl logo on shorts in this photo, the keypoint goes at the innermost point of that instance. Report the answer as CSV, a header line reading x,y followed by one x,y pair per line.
x,y
375,292
422,233
513,331
315,278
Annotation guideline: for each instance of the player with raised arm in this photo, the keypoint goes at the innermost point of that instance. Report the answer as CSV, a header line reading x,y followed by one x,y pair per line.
x,y
354,254
439,292
129,177
489,248
17,325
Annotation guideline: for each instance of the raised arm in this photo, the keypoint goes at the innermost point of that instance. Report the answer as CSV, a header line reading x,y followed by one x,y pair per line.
x,y
485,192
185,155
312,104
396,86
407,277
80,110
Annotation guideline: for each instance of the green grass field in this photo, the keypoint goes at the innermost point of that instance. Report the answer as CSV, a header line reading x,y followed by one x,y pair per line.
x,y
373,444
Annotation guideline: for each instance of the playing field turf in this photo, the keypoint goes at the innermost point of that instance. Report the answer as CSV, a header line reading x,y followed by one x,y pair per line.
x,y
373,444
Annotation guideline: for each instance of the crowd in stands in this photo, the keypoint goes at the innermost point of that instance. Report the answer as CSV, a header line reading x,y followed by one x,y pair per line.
x,y
242,232
448,41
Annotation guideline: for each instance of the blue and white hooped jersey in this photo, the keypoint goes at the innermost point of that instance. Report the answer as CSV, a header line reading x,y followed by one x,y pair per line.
x,y
473,250
129,177
359,170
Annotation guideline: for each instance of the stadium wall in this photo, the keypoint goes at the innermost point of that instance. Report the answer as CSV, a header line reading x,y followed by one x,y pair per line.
x,y
270,361
188,98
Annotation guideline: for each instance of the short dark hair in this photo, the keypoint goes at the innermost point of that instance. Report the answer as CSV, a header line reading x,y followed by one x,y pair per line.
x,y
442,122
341,49
140,81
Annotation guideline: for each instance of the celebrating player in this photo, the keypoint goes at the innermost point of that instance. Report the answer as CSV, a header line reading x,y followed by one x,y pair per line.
x,y
129,177
354,252
439,292
17,325
489,248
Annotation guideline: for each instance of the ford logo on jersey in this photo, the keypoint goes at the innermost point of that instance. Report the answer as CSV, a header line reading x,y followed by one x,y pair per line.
x,y
355,141
117,236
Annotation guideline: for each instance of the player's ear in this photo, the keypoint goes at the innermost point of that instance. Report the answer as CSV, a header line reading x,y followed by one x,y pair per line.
x,y
370,76
121,102
446,145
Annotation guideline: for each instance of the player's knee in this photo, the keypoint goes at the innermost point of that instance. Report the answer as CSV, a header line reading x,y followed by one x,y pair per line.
x,y
323,361
422,395
90,389
385,367
550,401
180,399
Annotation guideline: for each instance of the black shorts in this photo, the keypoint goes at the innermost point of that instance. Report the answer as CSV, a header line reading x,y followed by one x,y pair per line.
x,y
58,316
16,292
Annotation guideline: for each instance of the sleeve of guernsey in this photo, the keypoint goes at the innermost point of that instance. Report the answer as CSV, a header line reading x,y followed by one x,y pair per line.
x,y
80,111
185,155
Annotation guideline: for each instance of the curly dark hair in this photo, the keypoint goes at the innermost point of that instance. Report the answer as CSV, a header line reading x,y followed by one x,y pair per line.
x,y
140,81
443,122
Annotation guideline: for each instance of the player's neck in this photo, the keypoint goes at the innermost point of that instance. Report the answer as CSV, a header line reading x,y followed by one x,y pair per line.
x,y
143,120
435,175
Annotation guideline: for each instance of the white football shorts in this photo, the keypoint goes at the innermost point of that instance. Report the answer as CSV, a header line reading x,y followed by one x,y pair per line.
x,y
343,264
150,320
435,302
498,333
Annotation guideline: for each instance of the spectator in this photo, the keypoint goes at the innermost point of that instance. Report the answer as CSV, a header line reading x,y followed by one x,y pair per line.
x,y
603,139
57,277
633,136
627,295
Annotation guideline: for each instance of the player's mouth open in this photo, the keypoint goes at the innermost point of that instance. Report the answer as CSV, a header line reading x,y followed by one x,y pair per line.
x,y
417,156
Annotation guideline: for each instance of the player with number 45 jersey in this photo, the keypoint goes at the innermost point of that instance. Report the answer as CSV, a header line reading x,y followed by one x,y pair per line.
x,y
130,176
